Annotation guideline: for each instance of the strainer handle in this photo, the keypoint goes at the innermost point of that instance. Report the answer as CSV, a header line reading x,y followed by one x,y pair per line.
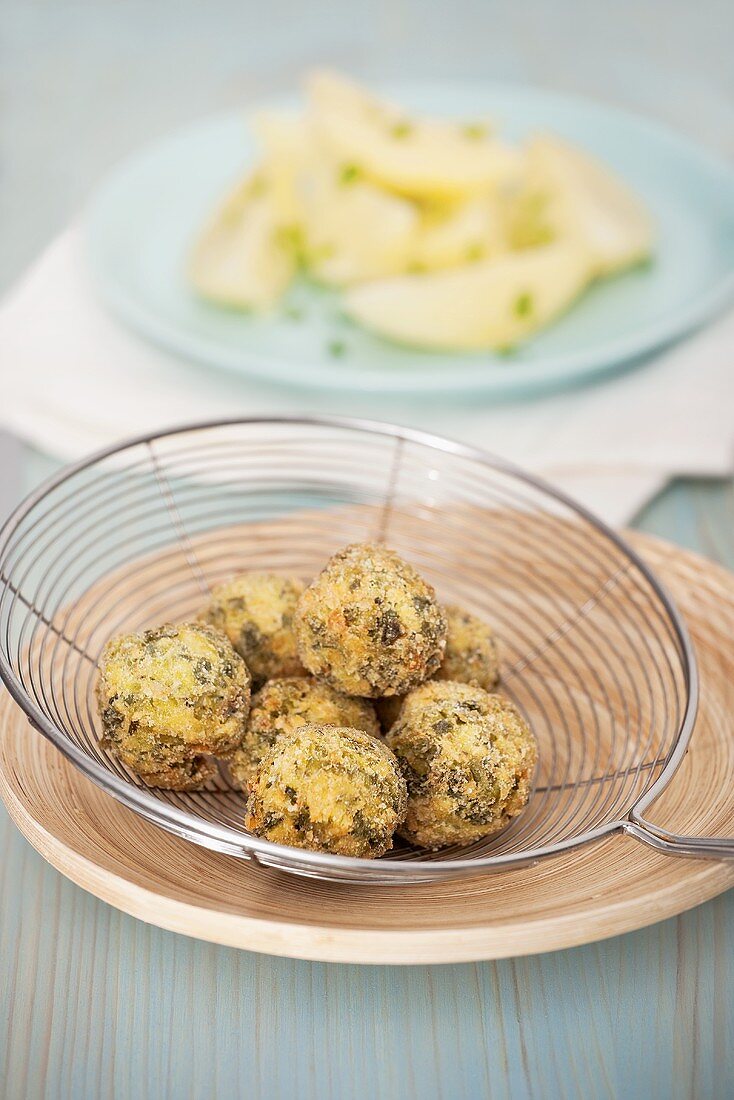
x,y
697,847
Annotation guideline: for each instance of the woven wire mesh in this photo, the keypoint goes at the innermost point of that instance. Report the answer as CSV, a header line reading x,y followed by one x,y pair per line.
x,y
592,650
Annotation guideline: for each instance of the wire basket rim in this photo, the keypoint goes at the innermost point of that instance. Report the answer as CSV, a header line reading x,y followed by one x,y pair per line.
x,y
228,839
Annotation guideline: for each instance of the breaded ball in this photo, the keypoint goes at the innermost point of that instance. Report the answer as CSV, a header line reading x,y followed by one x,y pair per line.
x,y
471,651
369,624
328,788
282,706
255,611
470,657
168,698
468,759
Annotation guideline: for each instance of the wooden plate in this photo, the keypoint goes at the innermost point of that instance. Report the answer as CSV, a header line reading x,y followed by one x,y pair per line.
x,y
588,894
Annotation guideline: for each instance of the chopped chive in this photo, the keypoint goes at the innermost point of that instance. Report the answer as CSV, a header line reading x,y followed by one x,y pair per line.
x,y
523,305
290,236
474,252
337,348
416,267
349,173
258,186
402,129
293,313
474,131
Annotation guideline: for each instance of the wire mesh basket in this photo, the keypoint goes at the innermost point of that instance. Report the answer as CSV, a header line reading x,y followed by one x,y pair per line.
x,y
594,652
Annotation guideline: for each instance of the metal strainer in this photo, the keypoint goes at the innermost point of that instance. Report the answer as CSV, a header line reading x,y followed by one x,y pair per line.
x,y
594,652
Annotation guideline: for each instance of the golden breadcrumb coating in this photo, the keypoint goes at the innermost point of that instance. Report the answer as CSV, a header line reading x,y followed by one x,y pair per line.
x,y
468,759
328,788
282,706
169,696
471,651
255,611
369,624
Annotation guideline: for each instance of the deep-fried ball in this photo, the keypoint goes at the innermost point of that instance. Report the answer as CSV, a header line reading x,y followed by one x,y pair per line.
x,y
468,758
255,611
470,657
471,651
282,706
328,788
170,695
369,624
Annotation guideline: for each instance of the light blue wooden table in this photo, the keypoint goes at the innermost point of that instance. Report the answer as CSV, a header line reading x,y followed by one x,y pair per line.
x,y
94,1004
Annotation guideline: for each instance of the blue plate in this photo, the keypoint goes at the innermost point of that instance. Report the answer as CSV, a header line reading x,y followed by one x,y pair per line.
x,y
144,219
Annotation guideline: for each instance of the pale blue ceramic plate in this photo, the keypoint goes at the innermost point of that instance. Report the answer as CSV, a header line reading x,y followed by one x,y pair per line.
x,y
144,219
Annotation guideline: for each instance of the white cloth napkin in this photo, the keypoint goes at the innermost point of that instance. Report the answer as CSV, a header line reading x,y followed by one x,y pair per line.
x,y
74,379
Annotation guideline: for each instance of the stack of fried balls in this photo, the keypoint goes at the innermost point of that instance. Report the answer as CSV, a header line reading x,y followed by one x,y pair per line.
x,y
348,712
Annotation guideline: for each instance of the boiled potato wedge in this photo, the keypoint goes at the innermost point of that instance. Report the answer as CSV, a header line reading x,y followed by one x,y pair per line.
x,y
354,231
419,158
460,234
438,234
287,145
579,196
238,260
491,304
341,227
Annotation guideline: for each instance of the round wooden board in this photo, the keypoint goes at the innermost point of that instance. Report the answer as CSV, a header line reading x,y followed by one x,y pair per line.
x,y
588,894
